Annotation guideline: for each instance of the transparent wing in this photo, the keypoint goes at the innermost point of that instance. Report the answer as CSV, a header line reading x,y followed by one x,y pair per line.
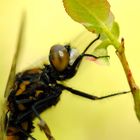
x,y
84,39
78,43
38,63
15,58
10,81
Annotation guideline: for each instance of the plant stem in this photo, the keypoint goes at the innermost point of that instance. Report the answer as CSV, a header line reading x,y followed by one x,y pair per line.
x,y
121,54
134,88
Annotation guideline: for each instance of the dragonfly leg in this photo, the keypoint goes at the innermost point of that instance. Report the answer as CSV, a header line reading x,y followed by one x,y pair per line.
x,y
43,125
89,96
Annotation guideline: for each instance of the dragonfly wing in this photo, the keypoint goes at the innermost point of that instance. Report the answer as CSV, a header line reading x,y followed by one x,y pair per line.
x,y
15,58
10,81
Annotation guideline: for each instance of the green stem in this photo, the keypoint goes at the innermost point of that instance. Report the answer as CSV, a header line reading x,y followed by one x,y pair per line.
x,y
134,88
121,54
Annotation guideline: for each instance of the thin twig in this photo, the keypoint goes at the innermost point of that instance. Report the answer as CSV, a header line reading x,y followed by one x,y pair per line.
x,y
134,88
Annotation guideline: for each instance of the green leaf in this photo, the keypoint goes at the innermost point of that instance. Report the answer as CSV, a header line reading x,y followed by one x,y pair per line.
x,y
101,49
115,29
91,13
96,16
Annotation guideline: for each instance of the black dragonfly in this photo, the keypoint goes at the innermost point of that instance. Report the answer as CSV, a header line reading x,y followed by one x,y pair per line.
x,y
34,90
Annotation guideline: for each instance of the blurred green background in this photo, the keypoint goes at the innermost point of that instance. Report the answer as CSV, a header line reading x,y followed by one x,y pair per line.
x,y
75,118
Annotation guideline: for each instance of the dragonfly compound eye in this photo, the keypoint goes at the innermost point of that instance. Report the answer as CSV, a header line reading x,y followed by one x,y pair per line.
x,y
59,57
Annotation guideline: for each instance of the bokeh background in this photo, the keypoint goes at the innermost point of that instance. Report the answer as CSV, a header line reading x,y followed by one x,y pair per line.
x,y
75,118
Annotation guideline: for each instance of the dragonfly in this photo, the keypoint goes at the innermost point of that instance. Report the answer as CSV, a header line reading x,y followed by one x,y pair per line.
x,y
32,91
